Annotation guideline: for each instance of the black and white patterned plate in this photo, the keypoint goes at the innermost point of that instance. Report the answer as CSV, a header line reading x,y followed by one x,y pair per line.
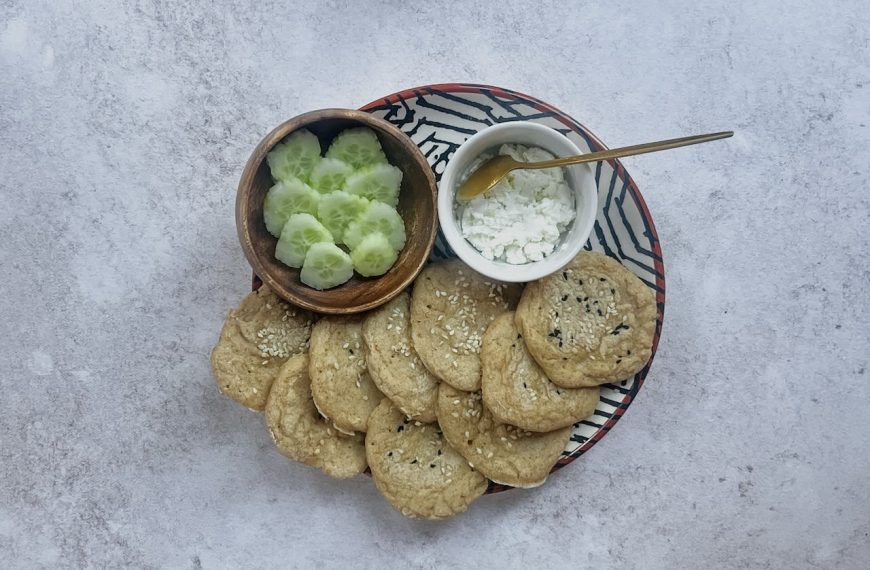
x,y
439,118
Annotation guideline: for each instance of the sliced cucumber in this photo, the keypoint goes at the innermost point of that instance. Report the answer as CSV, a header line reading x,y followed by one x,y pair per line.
x,y
373,255
288,197
379,182
296,156
358,147
338,209
326,266
378,217
300,232
329,175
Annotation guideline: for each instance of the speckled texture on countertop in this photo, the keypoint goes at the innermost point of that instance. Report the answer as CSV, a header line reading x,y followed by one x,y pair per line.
x,y
123,130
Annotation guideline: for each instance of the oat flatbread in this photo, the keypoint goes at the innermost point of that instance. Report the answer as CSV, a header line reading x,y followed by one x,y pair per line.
x,y
257,338
393,363
589,324
301,433
502,452
415,469
451,306
340,383
517,391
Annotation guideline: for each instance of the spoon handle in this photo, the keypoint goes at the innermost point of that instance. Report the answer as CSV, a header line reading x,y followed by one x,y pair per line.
x,y
626,151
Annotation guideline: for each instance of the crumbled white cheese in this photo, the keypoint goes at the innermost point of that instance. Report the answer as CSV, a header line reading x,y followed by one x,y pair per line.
x,y
523,217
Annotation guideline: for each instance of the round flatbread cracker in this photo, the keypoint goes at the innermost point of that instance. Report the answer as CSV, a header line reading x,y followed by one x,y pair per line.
x,y
517,391
503,453
393,363
256,340
589,324
415,469
451,306
340,383
301,433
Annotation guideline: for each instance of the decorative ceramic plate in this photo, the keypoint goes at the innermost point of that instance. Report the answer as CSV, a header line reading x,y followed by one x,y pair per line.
x,y
441,117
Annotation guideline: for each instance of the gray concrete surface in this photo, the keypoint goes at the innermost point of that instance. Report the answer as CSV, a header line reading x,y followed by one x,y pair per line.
x,y
123,130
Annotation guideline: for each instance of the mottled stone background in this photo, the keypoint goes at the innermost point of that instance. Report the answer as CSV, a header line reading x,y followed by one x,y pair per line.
x,y
124,126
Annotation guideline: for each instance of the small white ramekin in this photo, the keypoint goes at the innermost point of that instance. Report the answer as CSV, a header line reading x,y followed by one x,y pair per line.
x,y
579,178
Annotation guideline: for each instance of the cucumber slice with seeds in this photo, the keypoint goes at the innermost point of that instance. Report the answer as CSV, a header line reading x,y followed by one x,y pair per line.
x,y
329,175
296,156
358,147
288,197
338,209
300,232
379,182
373,255
378,217
326,266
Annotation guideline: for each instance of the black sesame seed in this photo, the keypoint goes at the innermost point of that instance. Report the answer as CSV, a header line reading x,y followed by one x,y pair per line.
x,y
560,344
351,350
564,297
413,462
432,465
613,291
618,360
557,314
390,454
401,428
619,327
519,336
600,314
439,452
438,433
564,276
629,353
580,281
602,279
578,299
524,385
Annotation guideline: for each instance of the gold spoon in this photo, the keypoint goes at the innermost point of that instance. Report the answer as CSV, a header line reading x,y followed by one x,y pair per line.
x,y
496,168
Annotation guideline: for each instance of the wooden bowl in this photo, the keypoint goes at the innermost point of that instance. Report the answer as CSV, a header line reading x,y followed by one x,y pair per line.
x,y
416,206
